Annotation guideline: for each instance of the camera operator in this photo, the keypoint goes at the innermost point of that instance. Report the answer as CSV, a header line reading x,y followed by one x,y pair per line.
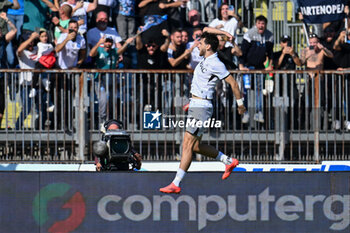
x,y
102,150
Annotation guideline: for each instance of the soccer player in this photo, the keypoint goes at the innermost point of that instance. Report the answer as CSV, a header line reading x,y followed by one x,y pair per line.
x,y
206,74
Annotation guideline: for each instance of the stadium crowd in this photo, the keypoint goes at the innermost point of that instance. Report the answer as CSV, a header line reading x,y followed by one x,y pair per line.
x,y
115,34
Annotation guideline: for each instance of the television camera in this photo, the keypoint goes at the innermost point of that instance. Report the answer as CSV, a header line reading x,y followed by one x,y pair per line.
x,y
114,150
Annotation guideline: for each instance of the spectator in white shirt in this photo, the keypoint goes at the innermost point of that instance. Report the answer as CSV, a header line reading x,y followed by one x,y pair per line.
x,y
71,47
227,21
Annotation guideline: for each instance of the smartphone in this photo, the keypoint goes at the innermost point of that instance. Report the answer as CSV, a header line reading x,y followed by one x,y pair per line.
x,y
311,47
289,43
70,30
231,8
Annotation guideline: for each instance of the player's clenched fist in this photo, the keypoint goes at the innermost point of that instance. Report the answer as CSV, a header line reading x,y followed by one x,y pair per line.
x,y
241,109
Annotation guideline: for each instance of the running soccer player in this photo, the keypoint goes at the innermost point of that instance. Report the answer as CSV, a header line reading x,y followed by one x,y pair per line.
x,y
206,74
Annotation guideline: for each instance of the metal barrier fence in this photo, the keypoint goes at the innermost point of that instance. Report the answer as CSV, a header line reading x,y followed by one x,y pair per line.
x,y
294,116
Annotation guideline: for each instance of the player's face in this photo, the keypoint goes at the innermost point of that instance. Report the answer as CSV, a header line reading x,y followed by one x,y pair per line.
x,y
202,47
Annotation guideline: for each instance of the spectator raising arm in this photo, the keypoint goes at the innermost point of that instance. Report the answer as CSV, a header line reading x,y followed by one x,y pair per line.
x,y
172,4
144,3
57,4
69,37
339,41
13,30
50,5
15,5
25,44
93,51
92,6
176,61
165,45
125,45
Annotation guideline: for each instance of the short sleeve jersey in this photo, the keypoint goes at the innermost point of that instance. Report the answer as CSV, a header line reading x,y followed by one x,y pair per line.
x,y
206,74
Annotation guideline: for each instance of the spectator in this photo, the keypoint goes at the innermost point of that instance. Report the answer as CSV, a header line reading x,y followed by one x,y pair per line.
x,y
178,55
102,29
228,21
194,21
313,56
4,39
46,50
15,14
71,47
151,55
26,54
226,54
286,58
313,59
126,22
80,10
342,48
195,57
328,42
256,46
71,52
65,14
107,58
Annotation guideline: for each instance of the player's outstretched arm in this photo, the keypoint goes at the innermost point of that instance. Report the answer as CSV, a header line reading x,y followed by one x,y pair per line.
x,y
235,89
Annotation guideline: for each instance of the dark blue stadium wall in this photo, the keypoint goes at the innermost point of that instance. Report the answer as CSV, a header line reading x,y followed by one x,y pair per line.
x,y
130,202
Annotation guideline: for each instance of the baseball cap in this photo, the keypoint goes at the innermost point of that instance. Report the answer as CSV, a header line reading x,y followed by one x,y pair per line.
x,y
285,38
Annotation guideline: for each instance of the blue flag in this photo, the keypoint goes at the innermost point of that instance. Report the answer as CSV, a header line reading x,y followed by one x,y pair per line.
x,y
153,20
321,11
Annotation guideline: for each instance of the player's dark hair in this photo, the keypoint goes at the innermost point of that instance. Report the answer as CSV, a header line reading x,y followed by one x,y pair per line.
x,y
211,39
